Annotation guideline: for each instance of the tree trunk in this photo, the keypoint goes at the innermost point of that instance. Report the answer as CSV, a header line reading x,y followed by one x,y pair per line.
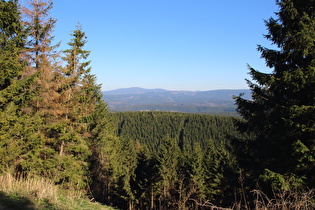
x,y
61,148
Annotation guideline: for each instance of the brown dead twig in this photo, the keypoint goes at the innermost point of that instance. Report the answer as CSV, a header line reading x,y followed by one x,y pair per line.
x,y
285,200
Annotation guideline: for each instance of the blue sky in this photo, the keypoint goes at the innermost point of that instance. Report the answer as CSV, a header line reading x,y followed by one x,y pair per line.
x,y
170,44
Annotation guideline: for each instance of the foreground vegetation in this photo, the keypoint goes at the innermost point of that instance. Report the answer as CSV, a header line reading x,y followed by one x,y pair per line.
x,y
39,193
55,125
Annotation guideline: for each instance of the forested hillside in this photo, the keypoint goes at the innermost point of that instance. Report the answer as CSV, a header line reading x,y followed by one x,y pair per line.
x,y
55,128
219,102
174,160
149,128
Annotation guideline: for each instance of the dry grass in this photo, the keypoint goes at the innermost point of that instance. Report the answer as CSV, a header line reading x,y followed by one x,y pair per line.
x,y
40,193
30,188
285,200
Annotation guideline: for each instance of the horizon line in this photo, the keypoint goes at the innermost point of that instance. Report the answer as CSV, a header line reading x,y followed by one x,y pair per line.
x,y
174,90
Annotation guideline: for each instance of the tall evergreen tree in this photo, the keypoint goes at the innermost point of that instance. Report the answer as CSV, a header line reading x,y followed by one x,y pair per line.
x,y
87,124
84,112
11,42
42,105
282,110
15,128
146,178
10,68
40,26
103,146
42,57
124,164
169,157
198,171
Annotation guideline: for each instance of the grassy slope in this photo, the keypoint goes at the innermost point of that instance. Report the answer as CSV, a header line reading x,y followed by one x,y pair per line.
x,y
37,193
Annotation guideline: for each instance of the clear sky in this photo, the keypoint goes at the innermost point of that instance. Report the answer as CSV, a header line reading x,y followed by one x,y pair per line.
x,y
169,44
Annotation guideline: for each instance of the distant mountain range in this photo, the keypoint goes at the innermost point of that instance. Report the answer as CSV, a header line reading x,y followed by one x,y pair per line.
x,y
140,99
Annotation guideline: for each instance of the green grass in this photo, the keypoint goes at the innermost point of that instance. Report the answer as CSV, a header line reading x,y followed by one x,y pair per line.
x,y
14,201
18,201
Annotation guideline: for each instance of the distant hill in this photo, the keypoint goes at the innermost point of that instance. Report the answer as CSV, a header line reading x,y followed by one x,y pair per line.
x,y
140,99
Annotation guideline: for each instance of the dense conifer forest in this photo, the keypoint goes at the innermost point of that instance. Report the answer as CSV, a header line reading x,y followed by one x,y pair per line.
x,y
178,159
55,126
149,128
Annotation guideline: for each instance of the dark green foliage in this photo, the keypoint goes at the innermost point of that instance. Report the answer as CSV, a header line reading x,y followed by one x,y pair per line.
x,y
169,160
12,38
144,183
11,46
151,127
221,172
177,164
282,112
102,145
16,134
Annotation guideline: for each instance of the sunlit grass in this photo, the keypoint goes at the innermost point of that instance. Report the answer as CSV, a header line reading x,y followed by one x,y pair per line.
x,y
40,193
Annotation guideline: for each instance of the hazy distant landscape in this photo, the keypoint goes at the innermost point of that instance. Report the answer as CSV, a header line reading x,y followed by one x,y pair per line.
x,y
140,99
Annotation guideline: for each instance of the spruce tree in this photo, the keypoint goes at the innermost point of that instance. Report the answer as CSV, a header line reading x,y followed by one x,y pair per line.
x,y
11,42
168,157
15,128
86,118
42,57
281,112
84,111
10,68
124,163
42,104
40,26
198,174
146,178
103,146
62,150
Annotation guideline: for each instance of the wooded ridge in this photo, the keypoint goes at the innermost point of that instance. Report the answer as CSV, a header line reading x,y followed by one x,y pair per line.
x,y
139,99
